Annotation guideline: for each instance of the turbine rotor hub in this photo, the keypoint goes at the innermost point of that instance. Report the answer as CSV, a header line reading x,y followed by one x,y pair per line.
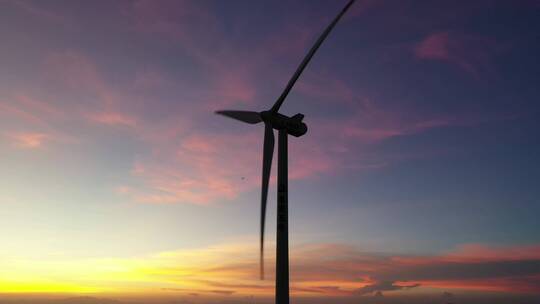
x,y
293,125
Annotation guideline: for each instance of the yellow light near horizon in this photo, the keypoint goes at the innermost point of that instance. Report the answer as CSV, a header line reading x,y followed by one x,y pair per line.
x,y
47,287
68,276
186,270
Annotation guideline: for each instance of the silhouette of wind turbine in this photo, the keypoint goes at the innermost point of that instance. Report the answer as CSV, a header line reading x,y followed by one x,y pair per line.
x,y
285,125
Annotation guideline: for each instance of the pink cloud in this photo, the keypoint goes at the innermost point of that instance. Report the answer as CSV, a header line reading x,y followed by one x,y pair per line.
x,y
100,102
474,267
309,159
434,46
369,122
41,107
470,53
111,118
193,165
345,270
481,252
233,90
27,114
189,164
190,25
202,168
15,111
30,110
76,70
199,169
29,140
185,165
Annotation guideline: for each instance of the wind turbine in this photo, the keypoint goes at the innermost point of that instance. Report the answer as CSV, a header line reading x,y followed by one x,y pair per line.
x,y
285,126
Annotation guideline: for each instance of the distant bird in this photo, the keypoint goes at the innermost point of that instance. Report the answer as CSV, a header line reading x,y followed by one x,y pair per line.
x,y
285,126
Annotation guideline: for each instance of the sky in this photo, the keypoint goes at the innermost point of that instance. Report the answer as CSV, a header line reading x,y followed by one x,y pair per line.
x,y
417,181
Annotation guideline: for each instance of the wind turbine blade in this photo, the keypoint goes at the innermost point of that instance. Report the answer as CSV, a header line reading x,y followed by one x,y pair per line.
x,y
268,152
308,57
244,116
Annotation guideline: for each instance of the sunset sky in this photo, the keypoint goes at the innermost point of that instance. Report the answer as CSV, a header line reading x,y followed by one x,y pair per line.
x,y
418,180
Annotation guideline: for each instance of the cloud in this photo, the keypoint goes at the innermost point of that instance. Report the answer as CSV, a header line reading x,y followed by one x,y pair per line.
x,y
183,157
29,140
447,297
112,118
32,122
199,34
78,74
470,53
501,270
328,270
186,163
223,292
29,110
379,287
480,252
189,163
199,169
435,46
464,270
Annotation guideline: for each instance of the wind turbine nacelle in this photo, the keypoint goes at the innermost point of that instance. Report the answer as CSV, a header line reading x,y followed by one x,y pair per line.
x,y
293,125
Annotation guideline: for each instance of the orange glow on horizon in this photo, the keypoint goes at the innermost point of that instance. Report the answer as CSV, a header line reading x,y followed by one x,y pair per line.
x,y
221,270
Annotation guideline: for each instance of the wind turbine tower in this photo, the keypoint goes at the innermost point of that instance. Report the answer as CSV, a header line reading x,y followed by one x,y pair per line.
x,y
285,126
